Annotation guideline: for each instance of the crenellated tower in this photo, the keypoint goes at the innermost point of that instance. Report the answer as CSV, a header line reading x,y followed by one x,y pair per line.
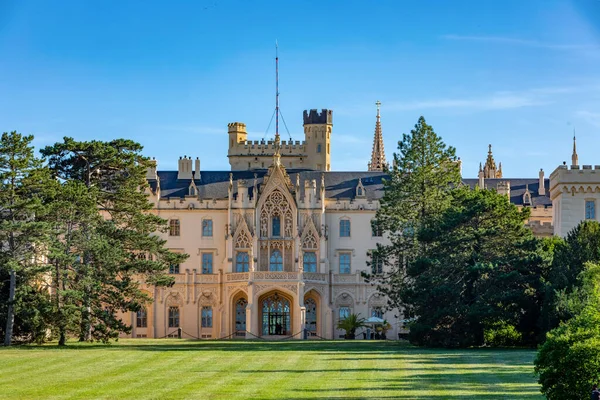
x,y
317,134
378,162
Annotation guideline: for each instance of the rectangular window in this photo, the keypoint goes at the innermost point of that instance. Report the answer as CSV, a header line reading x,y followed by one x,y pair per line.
x,y
242,261
310,261
174,227
173,317
376,263
344,263
207,228
590,209
344,312
345,228
377,312
174,268
207,317
141,319
207,263
276,226
376,230
318,147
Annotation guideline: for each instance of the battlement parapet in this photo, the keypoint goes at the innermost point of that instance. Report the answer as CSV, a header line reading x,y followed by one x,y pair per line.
x,y
315,117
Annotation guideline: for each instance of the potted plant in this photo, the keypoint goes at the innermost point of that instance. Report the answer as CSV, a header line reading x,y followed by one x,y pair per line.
x,y
382,329
350,324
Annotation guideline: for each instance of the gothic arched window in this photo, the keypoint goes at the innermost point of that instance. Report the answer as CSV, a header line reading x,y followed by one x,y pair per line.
x,y
276,261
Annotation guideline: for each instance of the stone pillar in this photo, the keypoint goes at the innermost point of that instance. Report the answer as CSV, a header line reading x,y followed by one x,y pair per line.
x,y
252,314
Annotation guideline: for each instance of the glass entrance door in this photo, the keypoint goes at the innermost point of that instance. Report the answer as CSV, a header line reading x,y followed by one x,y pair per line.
x,y
276,316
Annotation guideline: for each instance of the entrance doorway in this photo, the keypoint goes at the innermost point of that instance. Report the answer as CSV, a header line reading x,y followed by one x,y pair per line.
x,y
311,315
275,315
240,316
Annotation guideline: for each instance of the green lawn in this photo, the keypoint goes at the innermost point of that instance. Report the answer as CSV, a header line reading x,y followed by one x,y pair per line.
x,y
179,369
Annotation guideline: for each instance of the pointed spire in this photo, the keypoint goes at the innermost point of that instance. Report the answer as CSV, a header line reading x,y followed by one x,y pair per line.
x,y
489,169
574,158
378,162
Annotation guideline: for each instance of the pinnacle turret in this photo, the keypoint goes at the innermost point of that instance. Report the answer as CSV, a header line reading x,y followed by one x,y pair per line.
x,y
378,162
489,169
574,157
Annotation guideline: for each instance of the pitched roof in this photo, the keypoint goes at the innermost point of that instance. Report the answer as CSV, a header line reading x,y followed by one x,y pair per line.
x,y
338,184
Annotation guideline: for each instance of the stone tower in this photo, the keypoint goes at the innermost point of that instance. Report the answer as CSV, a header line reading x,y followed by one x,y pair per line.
x,y
317,133
378,162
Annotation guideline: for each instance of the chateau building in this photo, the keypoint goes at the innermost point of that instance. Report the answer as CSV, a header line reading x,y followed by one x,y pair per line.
x,y
278,243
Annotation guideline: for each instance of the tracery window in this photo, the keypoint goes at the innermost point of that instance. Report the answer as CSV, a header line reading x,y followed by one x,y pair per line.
x,y
141,318
277,213
173,317
242,261
310,261
207,227
207,317
275,315
276,261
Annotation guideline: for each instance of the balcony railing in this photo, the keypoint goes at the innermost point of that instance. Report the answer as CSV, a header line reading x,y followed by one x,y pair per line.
x,y
276,276
237,276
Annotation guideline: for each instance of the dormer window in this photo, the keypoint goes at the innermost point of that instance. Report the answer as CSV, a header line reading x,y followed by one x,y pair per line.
x,y
360,189
527,199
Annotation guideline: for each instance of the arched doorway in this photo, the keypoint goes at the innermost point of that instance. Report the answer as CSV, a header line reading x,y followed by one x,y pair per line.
x,y
239,316
275,315
311,315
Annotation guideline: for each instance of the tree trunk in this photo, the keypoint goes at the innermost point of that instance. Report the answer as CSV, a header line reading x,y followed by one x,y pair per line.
x,y
10,316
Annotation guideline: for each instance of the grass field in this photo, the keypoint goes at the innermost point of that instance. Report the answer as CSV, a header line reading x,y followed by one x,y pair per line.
x,y
179,369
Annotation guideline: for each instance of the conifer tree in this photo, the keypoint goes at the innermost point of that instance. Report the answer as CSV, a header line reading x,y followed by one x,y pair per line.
x,y
107,248
420,180
23,181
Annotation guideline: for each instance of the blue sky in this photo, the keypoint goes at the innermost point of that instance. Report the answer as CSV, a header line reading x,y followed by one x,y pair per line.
x,y
520,75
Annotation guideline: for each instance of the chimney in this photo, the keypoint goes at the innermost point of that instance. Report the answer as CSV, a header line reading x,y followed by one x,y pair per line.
x,y
481,178
242,192
313,193
542,188
503,188
151,170
306,193
185,168
197,169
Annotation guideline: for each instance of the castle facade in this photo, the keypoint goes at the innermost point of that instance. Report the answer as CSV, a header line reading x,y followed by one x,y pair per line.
x,y
278,243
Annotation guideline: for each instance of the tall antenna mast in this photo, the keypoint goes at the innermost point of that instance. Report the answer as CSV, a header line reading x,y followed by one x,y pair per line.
x,y
276,94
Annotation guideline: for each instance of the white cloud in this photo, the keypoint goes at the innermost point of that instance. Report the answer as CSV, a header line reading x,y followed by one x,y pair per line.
x,y
495,101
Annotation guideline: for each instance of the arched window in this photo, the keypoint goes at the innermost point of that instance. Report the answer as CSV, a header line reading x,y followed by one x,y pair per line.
x,y
275,316
377,312
276,226
310,261
345,228
276,261
173,317
242,261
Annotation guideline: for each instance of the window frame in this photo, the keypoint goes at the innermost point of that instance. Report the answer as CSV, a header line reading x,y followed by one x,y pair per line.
x,y
278,233
341,255
206,317
345,231
592,216
310,262
174,227
245,263
204,257
207,227
348,309
173,317
174,269
279,263
141,318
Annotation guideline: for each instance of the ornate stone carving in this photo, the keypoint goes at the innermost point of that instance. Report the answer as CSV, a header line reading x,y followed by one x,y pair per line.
x,y
237,276
314,277
276,276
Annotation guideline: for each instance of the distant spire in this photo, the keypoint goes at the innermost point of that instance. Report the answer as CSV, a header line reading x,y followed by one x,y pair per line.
x,y
489,169
574,158
378,162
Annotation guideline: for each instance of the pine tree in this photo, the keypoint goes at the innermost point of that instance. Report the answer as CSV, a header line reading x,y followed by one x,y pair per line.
x,y
420,180
23,181
480,268
107,249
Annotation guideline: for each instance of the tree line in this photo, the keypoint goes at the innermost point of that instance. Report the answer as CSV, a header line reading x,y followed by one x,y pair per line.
x,y
77,242
465,271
